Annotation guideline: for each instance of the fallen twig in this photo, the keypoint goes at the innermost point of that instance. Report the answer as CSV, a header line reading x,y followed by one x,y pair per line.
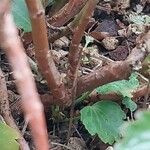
x,y
61,145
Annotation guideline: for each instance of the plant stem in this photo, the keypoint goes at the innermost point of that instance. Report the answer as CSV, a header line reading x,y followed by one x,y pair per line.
x,y
75,55
42,53
74,50
114,71
65,30
31,104
67,12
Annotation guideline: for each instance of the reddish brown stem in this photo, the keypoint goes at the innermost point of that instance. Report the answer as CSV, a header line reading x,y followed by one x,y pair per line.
x,y
109,73
59,32
114,71
47,99
75,55
74,51
67,12
42,53
32,107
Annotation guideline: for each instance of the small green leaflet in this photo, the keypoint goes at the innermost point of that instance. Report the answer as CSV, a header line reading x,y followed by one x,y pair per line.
x,y
20,14
129,103
8,137
122,87
88,40
103,118
136,134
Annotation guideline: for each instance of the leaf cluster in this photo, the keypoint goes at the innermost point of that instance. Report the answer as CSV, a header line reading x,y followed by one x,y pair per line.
x,y
104,118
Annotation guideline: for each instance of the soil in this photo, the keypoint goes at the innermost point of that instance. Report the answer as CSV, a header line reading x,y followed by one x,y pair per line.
x,y
107,21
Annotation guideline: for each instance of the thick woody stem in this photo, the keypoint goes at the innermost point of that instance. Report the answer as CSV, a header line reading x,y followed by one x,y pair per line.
x,y
109,73
116,70
6,113
67,12
32,107
42,53
47,99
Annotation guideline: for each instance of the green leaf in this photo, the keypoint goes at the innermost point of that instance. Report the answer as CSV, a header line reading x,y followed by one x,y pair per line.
x,y
20,14
103,118
129,103
8,137
122,87
136,134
